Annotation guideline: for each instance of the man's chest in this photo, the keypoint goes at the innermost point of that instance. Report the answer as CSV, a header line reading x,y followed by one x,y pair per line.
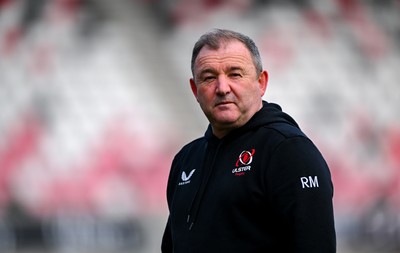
x,y
225,177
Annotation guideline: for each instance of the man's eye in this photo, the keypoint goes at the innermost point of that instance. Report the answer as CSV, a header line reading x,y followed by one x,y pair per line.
x,y
235,75
208,78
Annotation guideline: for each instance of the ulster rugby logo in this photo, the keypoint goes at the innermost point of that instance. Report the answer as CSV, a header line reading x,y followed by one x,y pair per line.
x,y
243,162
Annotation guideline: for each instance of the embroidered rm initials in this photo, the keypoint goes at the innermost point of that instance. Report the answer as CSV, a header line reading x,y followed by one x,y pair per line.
x,y
309,182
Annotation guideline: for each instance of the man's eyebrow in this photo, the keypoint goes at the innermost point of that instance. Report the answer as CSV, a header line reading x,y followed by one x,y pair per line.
x,y
213,71
233,68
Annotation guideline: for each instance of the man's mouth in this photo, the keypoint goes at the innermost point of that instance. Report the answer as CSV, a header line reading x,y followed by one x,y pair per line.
x,y
223,103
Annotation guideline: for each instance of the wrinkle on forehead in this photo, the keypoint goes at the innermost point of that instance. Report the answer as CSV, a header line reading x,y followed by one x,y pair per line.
x,y
226,58
232,51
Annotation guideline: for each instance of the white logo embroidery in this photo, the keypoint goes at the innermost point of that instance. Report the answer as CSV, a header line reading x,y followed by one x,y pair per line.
x,y
185,178
309,182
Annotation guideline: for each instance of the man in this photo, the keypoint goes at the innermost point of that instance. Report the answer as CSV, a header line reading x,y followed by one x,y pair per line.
x,y
254,182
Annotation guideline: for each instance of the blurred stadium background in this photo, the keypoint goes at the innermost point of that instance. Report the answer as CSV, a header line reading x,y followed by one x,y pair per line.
x,y
95,101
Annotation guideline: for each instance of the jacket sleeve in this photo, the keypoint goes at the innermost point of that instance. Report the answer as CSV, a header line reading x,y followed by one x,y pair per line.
x,y
301,191
166,244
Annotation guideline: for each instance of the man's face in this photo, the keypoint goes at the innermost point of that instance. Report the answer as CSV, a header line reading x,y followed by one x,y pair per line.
x,y
227,86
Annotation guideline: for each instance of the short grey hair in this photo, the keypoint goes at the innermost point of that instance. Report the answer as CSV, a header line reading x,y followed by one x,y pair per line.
x,y
214,38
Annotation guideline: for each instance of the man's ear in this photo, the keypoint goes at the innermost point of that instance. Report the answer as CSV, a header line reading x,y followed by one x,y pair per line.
x,y
263,82
193,86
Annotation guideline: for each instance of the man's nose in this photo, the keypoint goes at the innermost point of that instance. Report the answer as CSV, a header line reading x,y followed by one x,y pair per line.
x,y
223,86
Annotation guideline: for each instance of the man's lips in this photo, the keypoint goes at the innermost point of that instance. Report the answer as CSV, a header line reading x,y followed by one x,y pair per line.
x,y
223,103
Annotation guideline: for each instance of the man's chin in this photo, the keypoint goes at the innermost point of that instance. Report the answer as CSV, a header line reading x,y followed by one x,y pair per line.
x,y
225,120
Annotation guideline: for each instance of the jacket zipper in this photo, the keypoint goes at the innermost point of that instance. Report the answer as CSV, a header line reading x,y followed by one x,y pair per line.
x,y
195,205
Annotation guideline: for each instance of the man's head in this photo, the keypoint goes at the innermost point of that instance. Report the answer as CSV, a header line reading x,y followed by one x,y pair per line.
x,y
228,80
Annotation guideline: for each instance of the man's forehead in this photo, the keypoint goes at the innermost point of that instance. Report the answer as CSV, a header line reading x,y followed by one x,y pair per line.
x,y
229,62
228,53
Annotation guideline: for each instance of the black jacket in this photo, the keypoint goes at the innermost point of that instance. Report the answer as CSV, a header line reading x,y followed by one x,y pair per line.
x,y
264,188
